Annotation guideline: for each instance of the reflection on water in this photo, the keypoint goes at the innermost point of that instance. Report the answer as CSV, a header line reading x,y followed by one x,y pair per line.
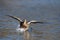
x,y
27,36
11,34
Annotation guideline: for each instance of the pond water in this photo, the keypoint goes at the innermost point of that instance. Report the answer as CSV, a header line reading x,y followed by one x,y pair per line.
x,y
41,10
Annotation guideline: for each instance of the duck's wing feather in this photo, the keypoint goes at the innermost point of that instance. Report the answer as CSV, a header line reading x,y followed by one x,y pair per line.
x,y
34,21
15,18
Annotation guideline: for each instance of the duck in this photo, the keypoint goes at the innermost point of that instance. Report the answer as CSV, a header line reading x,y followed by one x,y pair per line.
x,y
23,24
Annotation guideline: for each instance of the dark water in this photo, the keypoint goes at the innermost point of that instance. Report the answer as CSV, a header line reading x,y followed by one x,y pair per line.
x,y
41,10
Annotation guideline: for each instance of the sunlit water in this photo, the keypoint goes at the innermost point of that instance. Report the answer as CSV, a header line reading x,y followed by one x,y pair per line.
x,y
42,10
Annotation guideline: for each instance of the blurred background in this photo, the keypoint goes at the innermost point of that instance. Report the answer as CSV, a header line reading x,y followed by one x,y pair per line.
x,y
41,10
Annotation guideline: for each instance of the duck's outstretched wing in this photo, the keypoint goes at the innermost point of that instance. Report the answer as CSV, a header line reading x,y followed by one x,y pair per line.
x,y
33,21
15,18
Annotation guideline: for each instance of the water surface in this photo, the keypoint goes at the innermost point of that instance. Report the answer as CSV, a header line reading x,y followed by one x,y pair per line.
x,y
41,10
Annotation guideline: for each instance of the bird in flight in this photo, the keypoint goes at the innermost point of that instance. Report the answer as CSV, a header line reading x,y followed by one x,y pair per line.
x,y
24,24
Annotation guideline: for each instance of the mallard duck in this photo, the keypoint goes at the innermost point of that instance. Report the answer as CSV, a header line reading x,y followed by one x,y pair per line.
x,y
24,24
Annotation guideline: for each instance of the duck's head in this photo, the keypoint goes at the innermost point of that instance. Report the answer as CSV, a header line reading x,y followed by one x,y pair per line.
x,y
25,21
